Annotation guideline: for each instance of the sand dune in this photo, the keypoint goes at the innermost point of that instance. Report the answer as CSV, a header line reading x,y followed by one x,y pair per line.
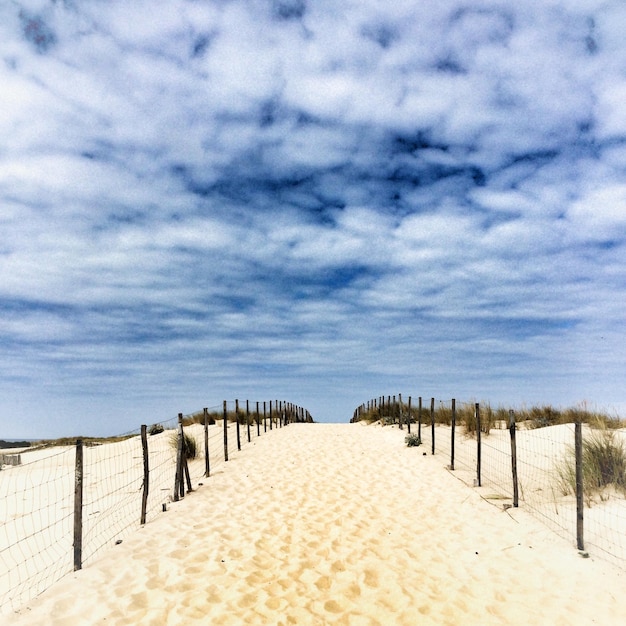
x,y
335,524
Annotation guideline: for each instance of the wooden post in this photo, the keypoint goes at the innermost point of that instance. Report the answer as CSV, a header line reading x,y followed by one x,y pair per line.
x,y
432,423
264,418
207,464
408,424
400,411
578,448
248,418
146,473
270,415
225,431
178,481
78,506
419,418
237,420
393,411
258,421
478,444
452,433
186,469
513,457
185,464
183,455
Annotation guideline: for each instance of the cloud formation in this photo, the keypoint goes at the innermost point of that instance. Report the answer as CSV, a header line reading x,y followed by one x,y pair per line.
x,y
312,200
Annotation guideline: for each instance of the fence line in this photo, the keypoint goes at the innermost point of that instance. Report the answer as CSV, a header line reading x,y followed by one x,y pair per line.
x,y
527,463
57,515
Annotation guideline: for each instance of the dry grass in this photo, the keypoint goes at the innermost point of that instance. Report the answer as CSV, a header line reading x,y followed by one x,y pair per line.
x,y
190,444
603,465
532,417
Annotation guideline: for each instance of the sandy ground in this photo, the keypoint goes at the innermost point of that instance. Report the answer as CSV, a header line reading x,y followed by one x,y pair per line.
x,y
335,524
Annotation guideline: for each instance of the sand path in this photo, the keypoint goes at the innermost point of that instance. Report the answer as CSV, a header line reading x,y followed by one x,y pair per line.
x,y
336,524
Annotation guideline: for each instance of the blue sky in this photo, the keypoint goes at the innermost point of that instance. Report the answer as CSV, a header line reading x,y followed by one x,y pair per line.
x,y
312,200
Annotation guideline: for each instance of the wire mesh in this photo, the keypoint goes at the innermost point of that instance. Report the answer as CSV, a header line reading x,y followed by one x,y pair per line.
x,y
36,524
544,453
37,513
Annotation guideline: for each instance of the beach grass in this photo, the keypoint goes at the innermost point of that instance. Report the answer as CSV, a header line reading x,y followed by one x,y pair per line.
x,y
603,465
538,416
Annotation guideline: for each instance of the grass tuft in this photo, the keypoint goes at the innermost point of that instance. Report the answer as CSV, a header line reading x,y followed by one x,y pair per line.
x,y
190,445
412,440
604,465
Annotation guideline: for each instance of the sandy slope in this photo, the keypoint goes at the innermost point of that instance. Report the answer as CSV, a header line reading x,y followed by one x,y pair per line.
x,y
335,524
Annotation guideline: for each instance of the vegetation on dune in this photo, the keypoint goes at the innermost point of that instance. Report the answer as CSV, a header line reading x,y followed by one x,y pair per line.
x,y
14,444
412,440
156,429
525,417
231,416
442,416
603,465
71,441
190,444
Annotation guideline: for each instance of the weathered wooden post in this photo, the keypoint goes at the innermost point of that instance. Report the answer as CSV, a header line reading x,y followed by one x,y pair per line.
x,y
184,470
185,458
146,473
432,423
408,424
513,457
264,418
179,488
225,431
400,411
207,464
270,415
478,444
237,419
452,434
248,418
578,450
419,418
78,506
258,421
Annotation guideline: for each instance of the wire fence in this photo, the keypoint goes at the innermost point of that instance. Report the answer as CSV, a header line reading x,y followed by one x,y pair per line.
x,y
58,513
532,464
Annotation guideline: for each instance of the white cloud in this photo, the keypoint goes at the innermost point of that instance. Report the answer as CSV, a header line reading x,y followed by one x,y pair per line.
x,y
600,214
334,196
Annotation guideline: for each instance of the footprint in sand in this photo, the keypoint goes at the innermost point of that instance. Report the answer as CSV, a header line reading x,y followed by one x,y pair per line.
x,y
247,600
323,583
371,578
332,607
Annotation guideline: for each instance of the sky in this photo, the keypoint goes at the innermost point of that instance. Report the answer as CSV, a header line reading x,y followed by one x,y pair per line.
x,y
318,201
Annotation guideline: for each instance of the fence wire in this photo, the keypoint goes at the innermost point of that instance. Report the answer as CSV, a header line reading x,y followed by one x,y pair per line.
x,y
36,524
544,455
37,512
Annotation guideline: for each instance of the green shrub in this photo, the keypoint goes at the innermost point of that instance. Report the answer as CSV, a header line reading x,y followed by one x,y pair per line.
x,y
412,440
155,429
